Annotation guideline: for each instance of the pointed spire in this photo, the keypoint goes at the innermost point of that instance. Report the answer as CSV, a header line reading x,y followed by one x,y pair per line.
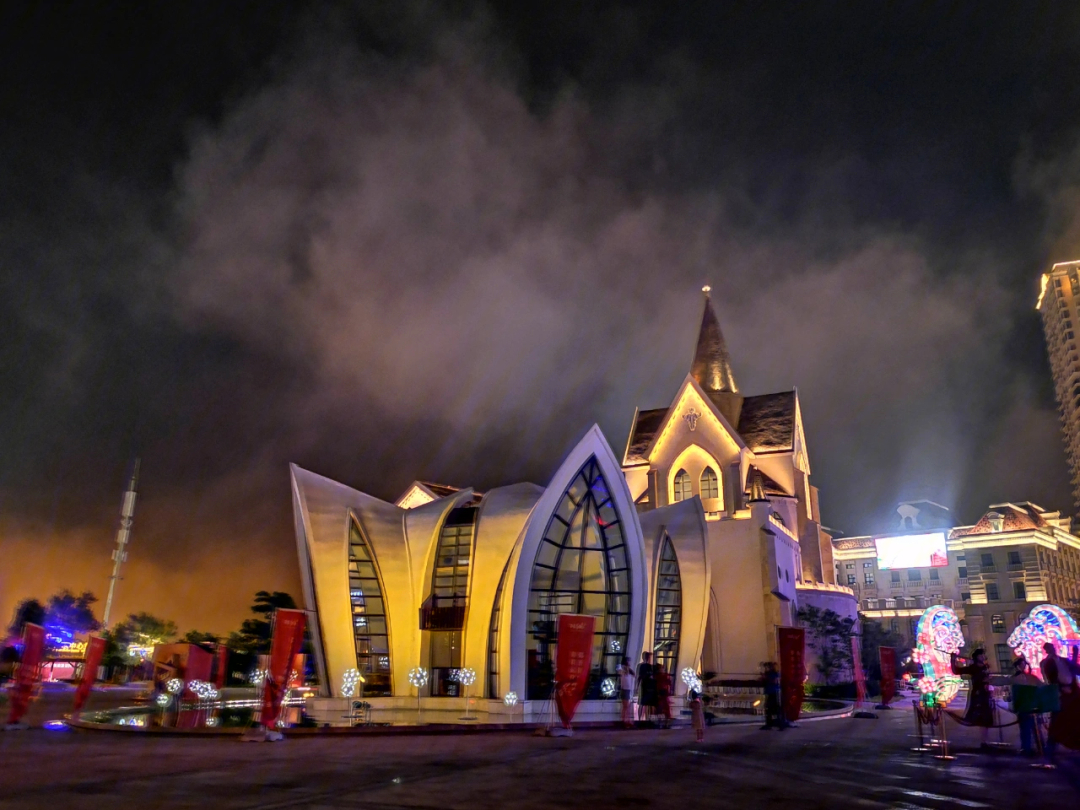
x,y
712,365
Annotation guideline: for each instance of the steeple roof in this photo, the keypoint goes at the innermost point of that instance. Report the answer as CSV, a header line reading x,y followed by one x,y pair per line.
x,y
712,364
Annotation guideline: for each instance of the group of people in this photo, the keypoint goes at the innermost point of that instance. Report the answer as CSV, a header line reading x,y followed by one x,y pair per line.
x,y
654,687
1057,693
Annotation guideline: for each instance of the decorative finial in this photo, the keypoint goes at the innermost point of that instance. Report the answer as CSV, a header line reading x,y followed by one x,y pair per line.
x,y
706,289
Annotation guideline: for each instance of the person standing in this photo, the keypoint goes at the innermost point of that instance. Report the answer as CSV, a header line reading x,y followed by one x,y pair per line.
x,y
1025,703
646,687
663,695
697,714
774,715
979,712
1065,722
626,691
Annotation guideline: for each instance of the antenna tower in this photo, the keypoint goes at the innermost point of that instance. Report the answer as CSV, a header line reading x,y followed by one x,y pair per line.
x,y
123,534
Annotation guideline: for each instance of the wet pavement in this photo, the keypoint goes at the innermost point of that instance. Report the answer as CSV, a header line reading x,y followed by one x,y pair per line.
x,y
826,764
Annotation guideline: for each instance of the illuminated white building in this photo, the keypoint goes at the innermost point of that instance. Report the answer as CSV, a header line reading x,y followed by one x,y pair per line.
x,y
696,546
1059,305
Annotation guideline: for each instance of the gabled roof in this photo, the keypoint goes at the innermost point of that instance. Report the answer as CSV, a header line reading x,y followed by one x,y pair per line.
x,y
646,424
1015,518
770,486
436,491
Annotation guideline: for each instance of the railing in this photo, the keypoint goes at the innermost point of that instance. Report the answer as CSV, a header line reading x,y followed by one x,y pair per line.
x,y
962,581
896,585
1016,566
988,569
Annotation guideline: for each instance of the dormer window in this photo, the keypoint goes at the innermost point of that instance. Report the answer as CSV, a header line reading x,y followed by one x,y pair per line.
x,y
997,521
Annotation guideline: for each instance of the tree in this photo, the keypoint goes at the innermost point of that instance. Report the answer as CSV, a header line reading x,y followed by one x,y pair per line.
x,y
147,630
199,637
254,635
829,635
875,635
28,611
69,615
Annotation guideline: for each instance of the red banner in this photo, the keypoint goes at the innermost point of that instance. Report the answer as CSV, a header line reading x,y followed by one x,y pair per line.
x,y
887,656
95,649
222,666
573,659
791,643
288,636
860,676
29,671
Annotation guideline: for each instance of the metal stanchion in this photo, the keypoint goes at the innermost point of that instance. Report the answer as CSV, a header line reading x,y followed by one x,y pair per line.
x,y
921,747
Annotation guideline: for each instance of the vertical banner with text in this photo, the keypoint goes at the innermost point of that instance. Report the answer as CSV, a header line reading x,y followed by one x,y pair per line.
x,y
29,671
860,676
791,644
887,656
573,659
284,646
95,649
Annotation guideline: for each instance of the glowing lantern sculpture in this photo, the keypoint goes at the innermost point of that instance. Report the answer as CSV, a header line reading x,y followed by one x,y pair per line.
x,y
511,699
1045,623
691,679
938,636
607,687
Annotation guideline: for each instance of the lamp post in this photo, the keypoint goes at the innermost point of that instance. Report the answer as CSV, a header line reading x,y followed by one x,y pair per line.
x,y
466,677
418,677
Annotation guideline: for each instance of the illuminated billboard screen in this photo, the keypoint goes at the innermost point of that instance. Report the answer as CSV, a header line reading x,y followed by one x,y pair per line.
x,y
912,551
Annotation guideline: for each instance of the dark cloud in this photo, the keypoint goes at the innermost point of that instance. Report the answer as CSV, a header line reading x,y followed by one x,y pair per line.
x,y
402,245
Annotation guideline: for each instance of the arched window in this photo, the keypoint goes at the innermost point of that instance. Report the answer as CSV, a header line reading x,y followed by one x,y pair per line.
x,y
710,484
369,616
682,486
668,609
443,615
581,566
493,639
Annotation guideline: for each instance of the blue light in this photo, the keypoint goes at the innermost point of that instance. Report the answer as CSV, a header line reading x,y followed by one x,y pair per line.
x,y
56,725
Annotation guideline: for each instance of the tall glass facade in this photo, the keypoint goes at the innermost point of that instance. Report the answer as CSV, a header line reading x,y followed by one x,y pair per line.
x,y
581,566
448,600
668,609
369,616
493,638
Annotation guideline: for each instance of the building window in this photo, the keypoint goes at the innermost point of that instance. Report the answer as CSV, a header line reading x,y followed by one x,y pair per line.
x,y
369,616
850,579
710,484
965,597
914,575
894,625
868,578
1019,591
444,612
992,592
895,576
493,638
668,610
867,565
997,623
682,486
850,566
581,566
1014,558
987,560
934,574
1004,655
962,572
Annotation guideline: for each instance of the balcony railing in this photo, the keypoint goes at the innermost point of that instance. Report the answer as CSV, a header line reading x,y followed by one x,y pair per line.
x,y
442,614
896,585
962,582
988,569
1016,566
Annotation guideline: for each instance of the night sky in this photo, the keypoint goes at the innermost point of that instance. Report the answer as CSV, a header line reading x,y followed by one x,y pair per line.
x,y
406,240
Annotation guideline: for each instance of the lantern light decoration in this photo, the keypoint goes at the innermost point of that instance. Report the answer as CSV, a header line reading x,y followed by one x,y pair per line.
x,y
418,677
511,699
691,679
258,676
174,685
349,681
163,700
1045,623
937,638
607,687
211,722
466,676
615,646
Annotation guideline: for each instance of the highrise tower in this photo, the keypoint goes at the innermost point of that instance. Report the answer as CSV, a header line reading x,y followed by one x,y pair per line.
x,y
1059,304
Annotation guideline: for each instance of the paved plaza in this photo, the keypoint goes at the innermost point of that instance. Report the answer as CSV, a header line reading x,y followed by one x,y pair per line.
x,y
826,764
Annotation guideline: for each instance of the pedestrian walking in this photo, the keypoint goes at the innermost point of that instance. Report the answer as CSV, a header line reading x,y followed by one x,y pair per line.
x,y
1065,722
646,688
774,716
697,714
979,712
1025,703
626,691
663,695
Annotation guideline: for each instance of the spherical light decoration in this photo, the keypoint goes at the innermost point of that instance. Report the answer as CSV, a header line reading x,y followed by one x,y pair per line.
x,y
349,681
607,687
466,676
174,685
511,699
418,677
211,722
163,700
258,676
615,646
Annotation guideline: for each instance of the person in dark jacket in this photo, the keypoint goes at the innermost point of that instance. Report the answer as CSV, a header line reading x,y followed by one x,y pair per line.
x,y
979,712
646,687
774,713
